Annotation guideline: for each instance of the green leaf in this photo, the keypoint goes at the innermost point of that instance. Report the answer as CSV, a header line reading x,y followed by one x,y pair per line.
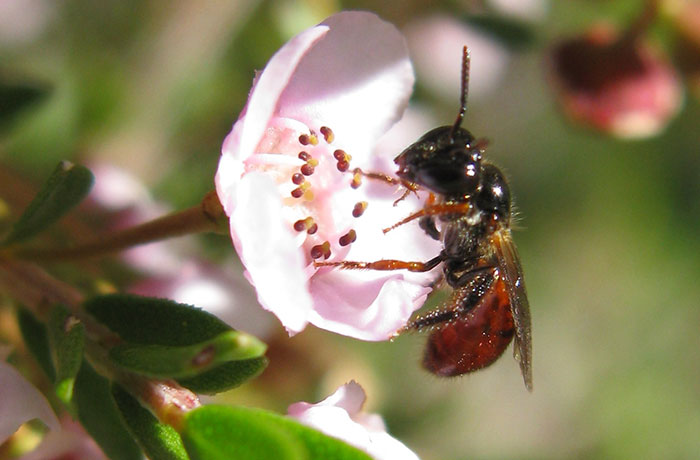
x,y
186,361
219,432
512,32
159,441
150,321
224,377
37,340
222,433
67,339
66,187
15,97
99,415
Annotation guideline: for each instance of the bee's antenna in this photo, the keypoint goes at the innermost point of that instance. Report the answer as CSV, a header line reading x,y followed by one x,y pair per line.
x,y
465,91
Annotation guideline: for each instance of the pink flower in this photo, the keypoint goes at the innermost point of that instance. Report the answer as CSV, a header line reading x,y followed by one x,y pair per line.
x,y
285,179
616,84
340,415
20,402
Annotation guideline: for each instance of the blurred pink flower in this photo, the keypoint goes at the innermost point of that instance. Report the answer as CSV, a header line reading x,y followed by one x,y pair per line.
x,y
618,85
71,442
20,401
285,180
340,415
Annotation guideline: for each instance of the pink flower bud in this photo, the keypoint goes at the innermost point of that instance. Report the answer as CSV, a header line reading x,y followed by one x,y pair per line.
x,y
619,86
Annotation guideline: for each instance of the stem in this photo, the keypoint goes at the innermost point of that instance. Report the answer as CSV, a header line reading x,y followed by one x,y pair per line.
x,y
642,23
38,291
205,217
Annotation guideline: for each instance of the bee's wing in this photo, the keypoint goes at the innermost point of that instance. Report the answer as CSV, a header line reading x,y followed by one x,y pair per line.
x,y
512,272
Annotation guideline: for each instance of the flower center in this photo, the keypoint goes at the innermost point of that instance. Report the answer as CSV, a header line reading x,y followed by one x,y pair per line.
x,y
314,179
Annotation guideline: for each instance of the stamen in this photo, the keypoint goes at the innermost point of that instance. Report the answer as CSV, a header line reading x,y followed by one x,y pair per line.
x,y
321,250
307,224
298,179
359,208
356,180
307,169
328,135
301,190
348,238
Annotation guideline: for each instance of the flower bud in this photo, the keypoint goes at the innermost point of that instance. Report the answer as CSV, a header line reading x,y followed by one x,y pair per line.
x,y
620,86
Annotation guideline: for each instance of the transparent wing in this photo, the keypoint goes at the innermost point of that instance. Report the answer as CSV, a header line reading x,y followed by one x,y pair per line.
x,y
509,264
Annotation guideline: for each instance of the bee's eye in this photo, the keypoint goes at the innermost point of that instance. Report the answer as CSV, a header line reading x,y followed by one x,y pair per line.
x,y
494,195
449,174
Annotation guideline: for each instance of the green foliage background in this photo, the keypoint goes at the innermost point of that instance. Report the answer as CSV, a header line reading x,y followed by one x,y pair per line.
x,y
609,228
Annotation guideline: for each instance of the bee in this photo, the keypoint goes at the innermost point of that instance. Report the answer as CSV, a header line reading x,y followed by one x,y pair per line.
x,y
469,210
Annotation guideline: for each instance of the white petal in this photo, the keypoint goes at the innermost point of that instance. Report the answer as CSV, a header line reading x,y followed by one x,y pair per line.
x,y
21,402
357,80
268,248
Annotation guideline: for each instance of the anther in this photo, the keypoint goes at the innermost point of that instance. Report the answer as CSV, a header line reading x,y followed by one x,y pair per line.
x,y
304,156
348,238
356,180
359,208
298,179
301,190
304,139
307,169
340,155
307,224
343,165
300,225
328,135
321,250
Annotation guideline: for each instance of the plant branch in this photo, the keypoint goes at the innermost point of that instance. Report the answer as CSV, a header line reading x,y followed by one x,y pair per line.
x,y
205,217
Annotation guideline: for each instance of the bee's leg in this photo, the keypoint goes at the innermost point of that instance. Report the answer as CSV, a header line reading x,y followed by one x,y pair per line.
x,y
358,174
385,264
463,278
427,223
439,209
461,302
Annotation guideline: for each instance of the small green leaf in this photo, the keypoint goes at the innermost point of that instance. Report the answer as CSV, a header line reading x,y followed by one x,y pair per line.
x,y
514,33
99,415
15,97
150,321
219,432
66,187
225,377
223,433
67,338
36,337
186,361
159,441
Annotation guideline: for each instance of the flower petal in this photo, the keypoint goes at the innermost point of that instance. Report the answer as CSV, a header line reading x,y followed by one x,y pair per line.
x,y
367,309
357,80
269,250
20,402
340,416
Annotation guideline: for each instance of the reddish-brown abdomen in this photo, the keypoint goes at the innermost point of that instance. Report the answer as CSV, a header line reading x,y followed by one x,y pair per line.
x,y
474,340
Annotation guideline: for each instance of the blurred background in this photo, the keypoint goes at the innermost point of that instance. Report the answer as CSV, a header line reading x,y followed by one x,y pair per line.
x,y
145,91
